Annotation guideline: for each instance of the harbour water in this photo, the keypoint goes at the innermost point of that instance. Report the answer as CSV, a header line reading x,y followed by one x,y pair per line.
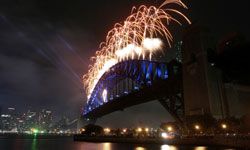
x,y
69,144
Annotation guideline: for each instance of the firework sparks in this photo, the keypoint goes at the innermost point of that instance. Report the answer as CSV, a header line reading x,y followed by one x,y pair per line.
x,y
136,38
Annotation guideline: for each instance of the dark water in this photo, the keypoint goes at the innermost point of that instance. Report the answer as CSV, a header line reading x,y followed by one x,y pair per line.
x,y
69,144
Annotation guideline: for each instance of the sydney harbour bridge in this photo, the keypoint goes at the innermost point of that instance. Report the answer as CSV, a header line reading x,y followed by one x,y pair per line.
x,y
124,73
138,81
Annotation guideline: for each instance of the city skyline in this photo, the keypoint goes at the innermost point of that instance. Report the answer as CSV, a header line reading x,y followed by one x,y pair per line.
x,y
13,121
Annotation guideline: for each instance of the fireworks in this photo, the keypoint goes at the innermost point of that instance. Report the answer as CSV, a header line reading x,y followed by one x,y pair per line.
x,y
136,38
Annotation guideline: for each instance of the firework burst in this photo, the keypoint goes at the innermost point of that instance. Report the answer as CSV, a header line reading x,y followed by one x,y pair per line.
x,y
136,38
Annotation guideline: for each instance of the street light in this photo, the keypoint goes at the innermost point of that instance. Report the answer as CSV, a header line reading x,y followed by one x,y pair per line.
x,y
139,129
106,130
169,128
197,127
124,130
146,129
223,126
83,130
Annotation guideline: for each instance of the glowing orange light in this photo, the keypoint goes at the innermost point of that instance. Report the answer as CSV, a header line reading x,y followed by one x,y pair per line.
x,y
136,38
224,126
83,130
139,129
169,128
197,127
106,130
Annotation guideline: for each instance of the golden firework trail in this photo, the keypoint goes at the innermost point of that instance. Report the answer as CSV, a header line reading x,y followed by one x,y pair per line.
x,y
136,38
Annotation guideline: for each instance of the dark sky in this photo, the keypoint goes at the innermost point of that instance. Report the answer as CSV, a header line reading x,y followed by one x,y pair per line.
x,y
45,46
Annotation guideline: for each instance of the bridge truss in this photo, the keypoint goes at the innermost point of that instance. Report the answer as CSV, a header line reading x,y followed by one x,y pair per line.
x,y
134,82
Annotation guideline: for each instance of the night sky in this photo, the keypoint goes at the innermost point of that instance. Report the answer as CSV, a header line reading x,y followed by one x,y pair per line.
x,y
45,46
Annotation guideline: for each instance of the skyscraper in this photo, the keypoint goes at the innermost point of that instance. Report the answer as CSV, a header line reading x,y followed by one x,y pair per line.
x,y
178,49
45,119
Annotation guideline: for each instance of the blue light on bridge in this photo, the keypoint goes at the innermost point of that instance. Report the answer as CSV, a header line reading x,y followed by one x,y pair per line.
x,y
136,88
149,83
165,74
104,95
158,72
141,72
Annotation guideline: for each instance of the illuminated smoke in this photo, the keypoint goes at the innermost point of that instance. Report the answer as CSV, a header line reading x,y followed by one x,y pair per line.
x,y
136,38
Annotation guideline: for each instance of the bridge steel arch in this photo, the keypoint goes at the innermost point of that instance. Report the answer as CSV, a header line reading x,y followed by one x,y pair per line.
x,y
151,80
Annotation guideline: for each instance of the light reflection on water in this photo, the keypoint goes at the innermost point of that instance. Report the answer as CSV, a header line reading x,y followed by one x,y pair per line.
x,y
140,148
33,145
69,144
168,147
200,148
107,146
